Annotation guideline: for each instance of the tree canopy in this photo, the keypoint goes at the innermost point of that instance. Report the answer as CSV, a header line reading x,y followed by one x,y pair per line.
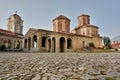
x,y
107,42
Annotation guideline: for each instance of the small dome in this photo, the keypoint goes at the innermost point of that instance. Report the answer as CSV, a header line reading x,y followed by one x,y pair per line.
x,y
84,15
61,17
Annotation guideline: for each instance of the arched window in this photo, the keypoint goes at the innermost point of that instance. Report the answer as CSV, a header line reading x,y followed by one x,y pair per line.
x,y
69,43
43,41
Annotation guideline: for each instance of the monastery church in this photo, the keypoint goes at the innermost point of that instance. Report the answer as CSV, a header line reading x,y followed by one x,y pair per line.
x,y
61,39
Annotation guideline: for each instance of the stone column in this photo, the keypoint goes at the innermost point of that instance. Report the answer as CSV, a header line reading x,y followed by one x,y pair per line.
x,y
46,45
38,42
51,45
27,45
57,48
32,42
65,48
12,44
21,44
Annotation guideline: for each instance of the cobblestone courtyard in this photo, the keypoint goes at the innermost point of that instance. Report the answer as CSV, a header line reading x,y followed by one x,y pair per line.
x,y
59,66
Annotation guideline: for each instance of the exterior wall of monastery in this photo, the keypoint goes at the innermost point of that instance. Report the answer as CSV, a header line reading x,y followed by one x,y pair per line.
x,y
48,41
11,43
97,41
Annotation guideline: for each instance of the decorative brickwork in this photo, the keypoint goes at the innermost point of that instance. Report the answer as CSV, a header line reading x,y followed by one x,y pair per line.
x,y
61,24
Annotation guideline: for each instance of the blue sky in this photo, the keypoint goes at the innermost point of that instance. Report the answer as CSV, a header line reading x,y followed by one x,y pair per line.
x,y
39,13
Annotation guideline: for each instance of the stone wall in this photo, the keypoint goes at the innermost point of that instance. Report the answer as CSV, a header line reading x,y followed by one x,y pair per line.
x,y
11,42
48,41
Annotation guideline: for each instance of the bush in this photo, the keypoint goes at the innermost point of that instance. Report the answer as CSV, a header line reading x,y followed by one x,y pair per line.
x,y
91,44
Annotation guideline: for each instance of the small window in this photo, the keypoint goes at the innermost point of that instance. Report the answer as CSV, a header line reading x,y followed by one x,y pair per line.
x,y
69,43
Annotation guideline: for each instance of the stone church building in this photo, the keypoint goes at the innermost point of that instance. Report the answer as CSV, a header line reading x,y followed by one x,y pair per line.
x,y
61,39
13,37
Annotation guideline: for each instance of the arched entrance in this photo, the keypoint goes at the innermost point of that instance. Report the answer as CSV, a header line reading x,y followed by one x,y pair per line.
x,y
17,44
53,45
62,44
49,45
43,41
29,43
7,43
25,43
34,41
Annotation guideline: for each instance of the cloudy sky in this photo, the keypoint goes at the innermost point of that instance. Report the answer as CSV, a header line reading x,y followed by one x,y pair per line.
x,y
39,13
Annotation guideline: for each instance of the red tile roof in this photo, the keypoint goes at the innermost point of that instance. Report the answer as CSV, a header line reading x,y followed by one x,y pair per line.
x,y
116,45
83,15
88,25
61,17
7,32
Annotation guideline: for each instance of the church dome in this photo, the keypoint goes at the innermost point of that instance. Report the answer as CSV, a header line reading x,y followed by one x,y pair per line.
x,y
61,17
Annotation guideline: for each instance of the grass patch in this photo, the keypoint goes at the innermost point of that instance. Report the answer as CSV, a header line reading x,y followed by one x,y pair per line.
x,y
109,78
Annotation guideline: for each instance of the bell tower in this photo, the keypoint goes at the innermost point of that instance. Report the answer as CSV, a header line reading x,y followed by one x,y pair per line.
x,y
15,24
61,24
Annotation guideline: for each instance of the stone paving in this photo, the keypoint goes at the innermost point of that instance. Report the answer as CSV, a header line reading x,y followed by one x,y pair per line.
x,y
59,66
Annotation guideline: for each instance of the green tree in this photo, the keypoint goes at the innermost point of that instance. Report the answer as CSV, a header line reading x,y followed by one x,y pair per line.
x,y
107,42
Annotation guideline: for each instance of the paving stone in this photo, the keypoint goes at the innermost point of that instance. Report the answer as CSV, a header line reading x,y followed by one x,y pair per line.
x,y
65,66
37,77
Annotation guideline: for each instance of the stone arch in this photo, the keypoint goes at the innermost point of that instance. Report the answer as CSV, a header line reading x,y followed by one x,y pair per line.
x,y
43,41
69,43
49,45
29,43
53,44
16,44
7,43
62,44
34,41
25,43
